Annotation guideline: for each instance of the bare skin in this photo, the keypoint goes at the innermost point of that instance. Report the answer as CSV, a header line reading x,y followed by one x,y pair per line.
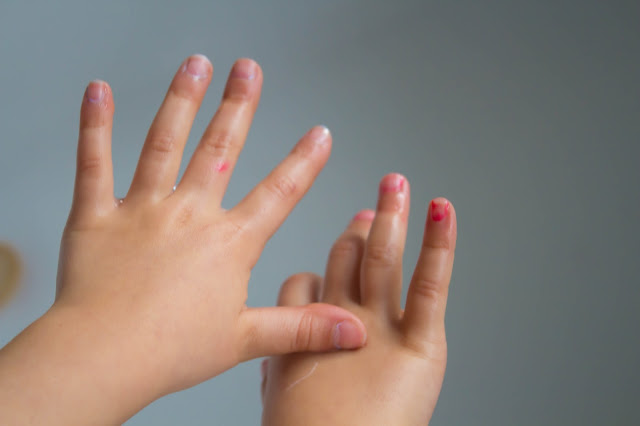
x,y
151,289
397,377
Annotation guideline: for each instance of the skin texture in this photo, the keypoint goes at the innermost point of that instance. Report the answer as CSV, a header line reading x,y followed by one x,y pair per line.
x,y
151,289
396,378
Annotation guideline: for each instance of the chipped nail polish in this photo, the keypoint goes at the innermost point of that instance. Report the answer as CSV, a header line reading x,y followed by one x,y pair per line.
x,y
392,183
439,210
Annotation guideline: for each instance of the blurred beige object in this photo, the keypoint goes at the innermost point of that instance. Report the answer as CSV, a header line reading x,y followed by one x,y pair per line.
x,y
10,271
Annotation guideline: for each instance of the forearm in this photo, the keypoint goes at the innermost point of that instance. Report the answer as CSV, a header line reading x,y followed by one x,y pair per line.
x,y
62,370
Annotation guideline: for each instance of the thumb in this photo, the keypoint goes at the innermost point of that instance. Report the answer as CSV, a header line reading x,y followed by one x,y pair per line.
x,y
316,327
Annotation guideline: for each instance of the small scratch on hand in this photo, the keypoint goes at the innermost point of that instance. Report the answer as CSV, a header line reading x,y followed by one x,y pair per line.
x,y
306,376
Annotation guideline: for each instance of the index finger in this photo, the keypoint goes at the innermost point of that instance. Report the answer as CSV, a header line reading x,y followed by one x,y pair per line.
x,y
264,209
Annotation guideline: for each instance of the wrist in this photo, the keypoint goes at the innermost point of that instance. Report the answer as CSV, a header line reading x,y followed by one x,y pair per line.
x,y
67,369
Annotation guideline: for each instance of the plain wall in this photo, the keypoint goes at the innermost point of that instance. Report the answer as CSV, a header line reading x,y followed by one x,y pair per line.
x,y
525,114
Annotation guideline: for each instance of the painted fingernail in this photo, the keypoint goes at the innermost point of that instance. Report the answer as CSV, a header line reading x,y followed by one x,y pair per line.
x,y
197,66
95,91
392,183
439,210
245,69
364,215
319,134
263,368
347,335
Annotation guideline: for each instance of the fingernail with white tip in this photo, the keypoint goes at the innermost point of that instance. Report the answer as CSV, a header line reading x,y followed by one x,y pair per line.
x,y
197,66
319,134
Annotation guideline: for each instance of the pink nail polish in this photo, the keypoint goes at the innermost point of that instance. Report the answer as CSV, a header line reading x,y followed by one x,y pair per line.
x,y
365,215
392,183
95,91
245,69
439,210
197,66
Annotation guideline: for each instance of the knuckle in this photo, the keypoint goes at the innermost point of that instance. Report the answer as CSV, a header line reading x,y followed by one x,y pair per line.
x,y
381,255
434,350
217,143
440,244
282,187
346,247
304,333
163,143
89,165
429,289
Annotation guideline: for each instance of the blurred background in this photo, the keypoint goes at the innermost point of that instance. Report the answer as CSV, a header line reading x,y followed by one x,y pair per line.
x,y
525,114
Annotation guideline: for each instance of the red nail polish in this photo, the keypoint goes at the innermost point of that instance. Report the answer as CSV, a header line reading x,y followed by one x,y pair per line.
x,y
392,183
439,210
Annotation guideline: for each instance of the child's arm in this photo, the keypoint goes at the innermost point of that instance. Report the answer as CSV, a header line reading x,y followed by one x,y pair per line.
x,y
396,378
151,289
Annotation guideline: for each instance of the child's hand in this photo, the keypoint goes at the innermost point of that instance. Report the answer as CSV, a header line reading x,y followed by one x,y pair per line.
x,y
396,378
152,288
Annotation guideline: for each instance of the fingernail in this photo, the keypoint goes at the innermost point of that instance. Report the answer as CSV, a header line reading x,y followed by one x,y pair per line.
x,y
95,91
197,66
245,69
319,134
439,210
263,368
392,183
364,215
347,335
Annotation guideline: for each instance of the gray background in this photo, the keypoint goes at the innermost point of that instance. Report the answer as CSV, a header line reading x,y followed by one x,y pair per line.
x,y
525,114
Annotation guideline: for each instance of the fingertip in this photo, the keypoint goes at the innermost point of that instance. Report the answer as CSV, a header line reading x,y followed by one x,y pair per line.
x,y
246,69
349,334
393,194
97,106
366,215
320,135
300,289
197,66
441,220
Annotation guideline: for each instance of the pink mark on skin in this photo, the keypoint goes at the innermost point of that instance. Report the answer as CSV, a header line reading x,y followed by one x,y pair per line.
x,y
392,183
222,166
439,210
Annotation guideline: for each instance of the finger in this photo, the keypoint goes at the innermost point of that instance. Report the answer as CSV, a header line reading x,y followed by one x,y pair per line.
x,y
93,193
343,267
210,168
264,209
300,289
423,320
316,327
381,274
161,155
